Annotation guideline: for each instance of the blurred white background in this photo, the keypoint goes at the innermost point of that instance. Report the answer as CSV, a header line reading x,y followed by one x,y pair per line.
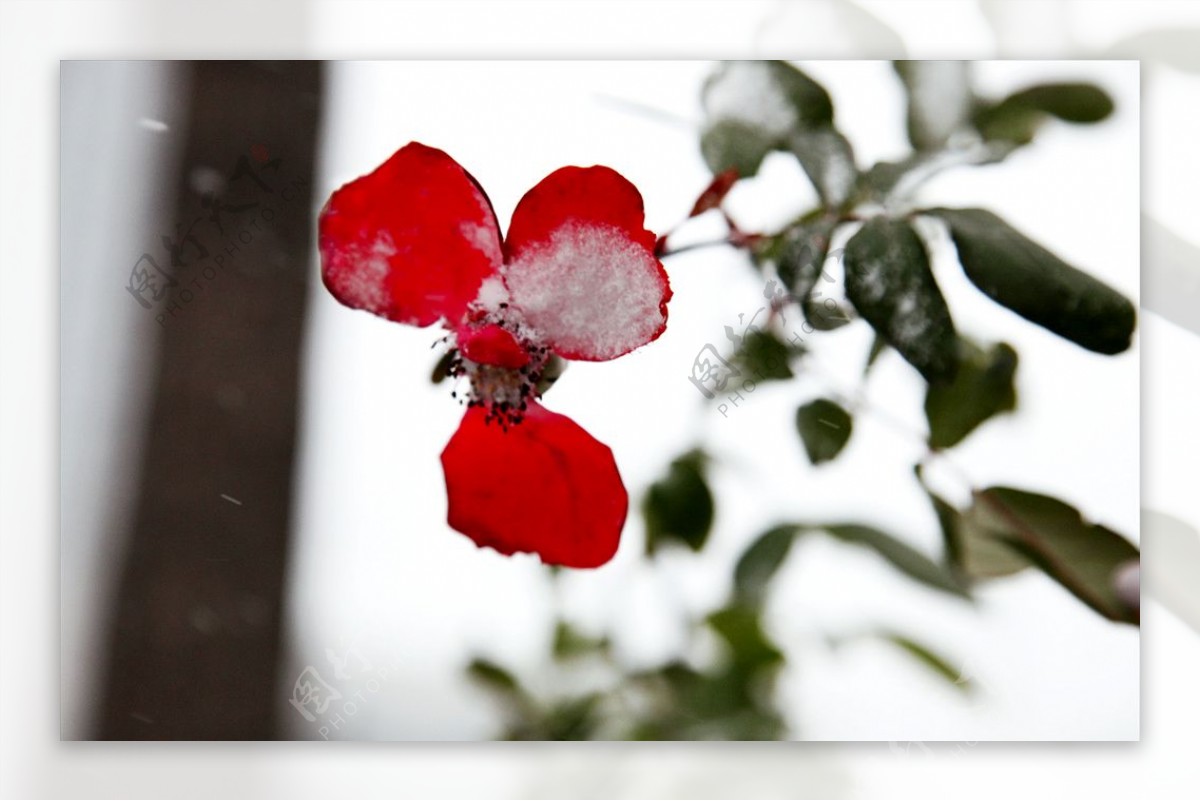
x,y
931,29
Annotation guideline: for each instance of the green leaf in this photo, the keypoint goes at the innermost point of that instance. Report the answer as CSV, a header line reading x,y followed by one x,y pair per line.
x,y
900,555
1018,273
733,145
740,628
570,643
828,160
568,719
679,507
939,99
764,357
753,107
930,659
878,346
1017,117
824,314
759,563
801,252
890,284
824,428
1071,102
1008,123
982,389
494,678
813,106
442,369
1036,529
949,521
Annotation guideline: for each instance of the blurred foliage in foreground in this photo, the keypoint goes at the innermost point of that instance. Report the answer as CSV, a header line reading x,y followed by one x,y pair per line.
x,y
753,109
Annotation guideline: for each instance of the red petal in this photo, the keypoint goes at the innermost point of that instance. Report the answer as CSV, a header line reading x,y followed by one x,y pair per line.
x,y
491,344
544,486
412,241
581,268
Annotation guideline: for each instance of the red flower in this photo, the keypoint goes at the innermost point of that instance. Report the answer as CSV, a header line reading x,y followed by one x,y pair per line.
x,y
417,241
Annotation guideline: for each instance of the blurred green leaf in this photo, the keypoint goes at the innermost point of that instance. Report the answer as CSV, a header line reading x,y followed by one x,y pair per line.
x,y
825,314
568,719
1071,102
983,388
930,659
492,677
570,643
732,145
824,428
889,281
739,626
1028,279
812,104
679,507
759,563
442,369
552,371
754,107
828,159
1012,123
900,555
800,255
1028,528
686,704
1017,117
878,346
939,99
949,521
764,356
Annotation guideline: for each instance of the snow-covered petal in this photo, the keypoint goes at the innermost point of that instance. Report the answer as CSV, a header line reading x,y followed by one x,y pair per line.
x,y
580,265
413,241
544,486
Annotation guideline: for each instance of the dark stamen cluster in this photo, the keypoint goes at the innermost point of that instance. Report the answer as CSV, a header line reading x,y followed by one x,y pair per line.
x,y
503,392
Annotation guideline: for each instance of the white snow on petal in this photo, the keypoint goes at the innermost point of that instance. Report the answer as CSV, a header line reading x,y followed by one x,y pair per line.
x,y
589,290
361,277
482,237
746,91
492,293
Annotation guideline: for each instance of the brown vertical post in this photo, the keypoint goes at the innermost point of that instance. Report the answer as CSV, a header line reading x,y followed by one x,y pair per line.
x,y
196,633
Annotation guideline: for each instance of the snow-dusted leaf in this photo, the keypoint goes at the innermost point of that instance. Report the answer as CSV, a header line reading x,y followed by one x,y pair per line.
x,y
828,160
753,107
939,100
889,281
